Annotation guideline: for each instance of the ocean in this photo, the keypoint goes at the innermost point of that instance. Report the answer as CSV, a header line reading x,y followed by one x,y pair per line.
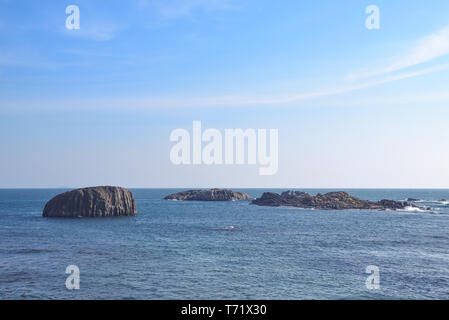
x,y
225,250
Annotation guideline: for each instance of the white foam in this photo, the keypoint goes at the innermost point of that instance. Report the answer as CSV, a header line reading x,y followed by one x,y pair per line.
x,y
438,202
228,228
413,209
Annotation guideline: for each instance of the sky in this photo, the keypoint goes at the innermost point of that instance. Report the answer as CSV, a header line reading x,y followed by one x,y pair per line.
x,y
354,107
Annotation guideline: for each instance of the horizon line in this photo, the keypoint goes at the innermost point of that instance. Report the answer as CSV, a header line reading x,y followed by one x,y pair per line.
x,y
260,188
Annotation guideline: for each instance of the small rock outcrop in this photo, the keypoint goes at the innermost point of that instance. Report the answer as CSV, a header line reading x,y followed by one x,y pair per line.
x,y
329,201
208,195
291,193
394,205
92,202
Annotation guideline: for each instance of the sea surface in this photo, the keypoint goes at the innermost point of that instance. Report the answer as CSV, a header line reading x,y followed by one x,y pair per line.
x,y
225,250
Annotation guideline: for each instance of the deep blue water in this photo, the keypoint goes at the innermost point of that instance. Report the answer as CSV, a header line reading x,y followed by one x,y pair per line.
x,y
188,250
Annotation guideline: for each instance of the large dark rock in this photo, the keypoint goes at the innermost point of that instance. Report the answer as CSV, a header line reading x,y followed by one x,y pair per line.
x,y
208,195
329,201
92,202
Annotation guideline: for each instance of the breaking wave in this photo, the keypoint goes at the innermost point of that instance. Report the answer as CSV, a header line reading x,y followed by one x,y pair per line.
x,y
415,209
443,202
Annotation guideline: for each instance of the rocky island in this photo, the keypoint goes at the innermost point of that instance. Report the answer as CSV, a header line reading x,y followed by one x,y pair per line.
x,y
208,195
329,201
92,202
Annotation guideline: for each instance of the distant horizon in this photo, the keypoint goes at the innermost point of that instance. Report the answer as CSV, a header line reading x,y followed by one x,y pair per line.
x,y
256,188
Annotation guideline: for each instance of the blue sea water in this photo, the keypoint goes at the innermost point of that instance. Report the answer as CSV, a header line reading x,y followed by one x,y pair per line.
x,y
225,250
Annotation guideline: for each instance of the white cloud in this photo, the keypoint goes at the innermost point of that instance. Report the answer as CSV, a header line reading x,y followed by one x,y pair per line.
x,y
429,48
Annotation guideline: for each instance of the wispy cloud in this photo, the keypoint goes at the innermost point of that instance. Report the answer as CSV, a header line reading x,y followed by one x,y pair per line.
x,y
100,30
277,100
18,60
173,9
429,48
217,101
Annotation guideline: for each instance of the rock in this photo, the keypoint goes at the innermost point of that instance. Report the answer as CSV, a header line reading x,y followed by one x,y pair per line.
x,y
271,199
329,201
208,195
92,202
412,200
291,193
394,205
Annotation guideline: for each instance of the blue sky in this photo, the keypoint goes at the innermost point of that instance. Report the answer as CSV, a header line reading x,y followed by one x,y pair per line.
x,y
354,107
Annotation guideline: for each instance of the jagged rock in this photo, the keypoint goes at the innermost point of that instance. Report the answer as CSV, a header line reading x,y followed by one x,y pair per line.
x,y
208,195
329,201
394,205
412,199
271,199
291,193
92,202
